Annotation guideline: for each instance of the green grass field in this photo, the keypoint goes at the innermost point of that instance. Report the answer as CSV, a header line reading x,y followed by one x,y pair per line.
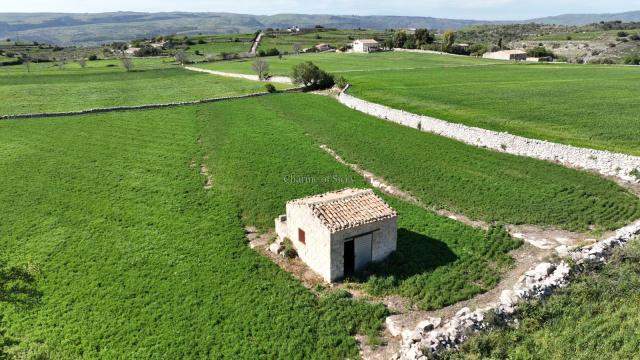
x,y
50,89
588,106
336,38
252,146
447,174
122,253
350,64
595,318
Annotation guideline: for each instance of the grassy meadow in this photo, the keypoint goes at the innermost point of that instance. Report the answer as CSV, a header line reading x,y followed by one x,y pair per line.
x,y
255,151
589,106
106,83
447,174
122,253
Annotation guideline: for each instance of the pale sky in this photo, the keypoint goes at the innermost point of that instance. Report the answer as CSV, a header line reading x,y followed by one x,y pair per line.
x,y
460,9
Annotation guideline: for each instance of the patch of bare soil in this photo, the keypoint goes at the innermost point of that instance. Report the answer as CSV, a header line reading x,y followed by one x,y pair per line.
x,y
204,171
260,242
385,351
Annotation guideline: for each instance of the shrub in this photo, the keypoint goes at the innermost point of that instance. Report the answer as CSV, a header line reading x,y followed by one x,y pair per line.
x,y
634,37
378,286
148,51
93,57
622,34
632,59
289,251
270,88
270,52
478,49
341,82
602,61
311,76
540,51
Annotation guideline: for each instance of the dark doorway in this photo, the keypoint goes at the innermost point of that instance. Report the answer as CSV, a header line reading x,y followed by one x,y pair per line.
x,y
349,258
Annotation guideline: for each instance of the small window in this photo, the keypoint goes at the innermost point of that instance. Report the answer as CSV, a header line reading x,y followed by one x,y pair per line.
x,y
301,236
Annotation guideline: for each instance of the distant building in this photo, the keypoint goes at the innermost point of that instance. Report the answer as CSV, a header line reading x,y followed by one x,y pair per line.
x,y
339,233
365,45
293,29
409,31
323,47
518,55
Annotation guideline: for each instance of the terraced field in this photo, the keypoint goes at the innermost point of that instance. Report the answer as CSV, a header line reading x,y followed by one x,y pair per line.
x,y
588,106
217,44
105,84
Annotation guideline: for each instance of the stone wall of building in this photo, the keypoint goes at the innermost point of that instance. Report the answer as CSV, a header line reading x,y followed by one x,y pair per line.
x,y
316,250
604,162
384,242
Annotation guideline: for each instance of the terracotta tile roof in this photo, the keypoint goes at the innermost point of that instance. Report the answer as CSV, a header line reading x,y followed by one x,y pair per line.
x,y
347,208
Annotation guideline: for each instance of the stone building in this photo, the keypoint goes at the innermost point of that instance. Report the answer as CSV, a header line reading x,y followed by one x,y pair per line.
x,y
365,45
517,55
339,233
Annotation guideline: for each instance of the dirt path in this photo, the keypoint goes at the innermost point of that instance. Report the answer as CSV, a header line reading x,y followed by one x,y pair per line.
x,y
256,43
273,79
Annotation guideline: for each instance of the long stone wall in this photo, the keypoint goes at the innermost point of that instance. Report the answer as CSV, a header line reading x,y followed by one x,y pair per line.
x,y
137,107
604,162
433,335
273,79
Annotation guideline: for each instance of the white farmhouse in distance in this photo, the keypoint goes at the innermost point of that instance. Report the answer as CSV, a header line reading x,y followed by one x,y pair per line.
x,y
518,55
365,45
339,233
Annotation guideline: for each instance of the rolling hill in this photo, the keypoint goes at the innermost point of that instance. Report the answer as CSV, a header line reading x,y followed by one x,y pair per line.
x,y
91,29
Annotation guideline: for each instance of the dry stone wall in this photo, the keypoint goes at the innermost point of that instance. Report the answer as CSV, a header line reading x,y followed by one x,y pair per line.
x,y
433,335
604,162
136,107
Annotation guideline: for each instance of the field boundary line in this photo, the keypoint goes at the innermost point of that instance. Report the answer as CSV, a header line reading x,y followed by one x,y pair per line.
x,y
256,43
273,79
139,107
622,166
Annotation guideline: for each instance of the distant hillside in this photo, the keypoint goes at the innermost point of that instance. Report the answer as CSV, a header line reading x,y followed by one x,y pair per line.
x,y
91,29
584,19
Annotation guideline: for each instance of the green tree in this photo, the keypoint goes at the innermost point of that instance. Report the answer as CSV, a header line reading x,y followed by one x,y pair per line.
x,y
399,38
311,76
423,37
449,39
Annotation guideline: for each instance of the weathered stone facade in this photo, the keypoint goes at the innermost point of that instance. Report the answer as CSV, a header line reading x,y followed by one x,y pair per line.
x,y
319,227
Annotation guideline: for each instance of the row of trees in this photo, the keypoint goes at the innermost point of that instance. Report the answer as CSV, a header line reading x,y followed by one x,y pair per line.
x,y
402,39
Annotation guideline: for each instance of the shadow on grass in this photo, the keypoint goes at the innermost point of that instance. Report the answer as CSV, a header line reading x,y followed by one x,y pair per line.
x,y
416,254
18,286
